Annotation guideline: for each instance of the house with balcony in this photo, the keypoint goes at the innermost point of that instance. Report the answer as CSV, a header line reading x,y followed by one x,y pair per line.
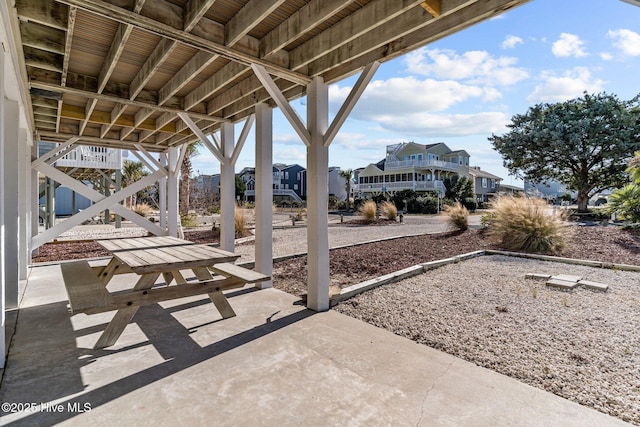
x,y
97,167
289,183
412,166
485,184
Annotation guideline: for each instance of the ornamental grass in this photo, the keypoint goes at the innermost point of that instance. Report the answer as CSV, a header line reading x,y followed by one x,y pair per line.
x,y
458,216
368,210
389,210
529,225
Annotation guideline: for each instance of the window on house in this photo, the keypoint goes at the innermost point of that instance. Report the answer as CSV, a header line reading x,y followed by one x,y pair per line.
x,y
460,160
419,156
405,158
466,161
413,157
493,183
286,175
286,186
484,182
295,186
386,178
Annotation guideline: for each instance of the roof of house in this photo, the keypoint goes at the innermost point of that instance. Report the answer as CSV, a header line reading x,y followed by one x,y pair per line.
x,y
479,173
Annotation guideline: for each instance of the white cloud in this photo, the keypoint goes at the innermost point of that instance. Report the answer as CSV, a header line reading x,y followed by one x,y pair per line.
x,y
606,56
568,45
289,155
477,67
511,41
569,85
626,41
445,125
407,95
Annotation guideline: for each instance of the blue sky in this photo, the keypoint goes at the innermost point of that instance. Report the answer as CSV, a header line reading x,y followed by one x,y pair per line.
x,y
463,88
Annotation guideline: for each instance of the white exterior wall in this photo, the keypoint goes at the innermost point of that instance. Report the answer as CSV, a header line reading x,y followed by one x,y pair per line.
x,y
15,203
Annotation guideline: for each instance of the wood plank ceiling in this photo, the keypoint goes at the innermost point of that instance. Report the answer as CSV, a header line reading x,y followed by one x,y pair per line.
x,y
117,72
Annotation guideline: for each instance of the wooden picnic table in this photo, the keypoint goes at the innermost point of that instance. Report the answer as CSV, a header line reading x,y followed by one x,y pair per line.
x,y
148,258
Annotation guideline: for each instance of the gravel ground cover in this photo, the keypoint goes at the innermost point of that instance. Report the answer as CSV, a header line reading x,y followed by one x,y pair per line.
x,y
582,345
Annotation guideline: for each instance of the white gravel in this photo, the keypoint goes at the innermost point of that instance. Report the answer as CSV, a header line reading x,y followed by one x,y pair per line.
x,y
582,345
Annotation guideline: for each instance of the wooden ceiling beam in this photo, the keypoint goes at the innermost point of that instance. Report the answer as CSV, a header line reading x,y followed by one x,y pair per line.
x,y
111,142
71,22
364,20
41,37
247,18
432,7
39,85
163,123
192,68
122,15
195,10
48,13
307,18
465,16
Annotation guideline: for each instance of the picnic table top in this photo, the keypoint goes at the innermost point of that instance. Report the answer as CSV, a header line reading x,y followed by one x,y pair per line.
x,y
164,253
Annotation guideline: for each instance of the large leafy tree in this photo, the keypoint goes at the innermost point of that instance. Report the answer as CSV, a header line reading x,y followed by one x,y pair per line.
x,y
458,188
584,143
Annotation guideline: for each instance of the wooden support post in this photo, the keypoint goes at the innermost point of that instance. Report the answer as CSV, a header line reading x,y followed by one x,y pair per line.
x,y
118,179
162,194
172,192
264,193
107,192
317,135
10,169
227,189
35,199
317,196
24,205
3,246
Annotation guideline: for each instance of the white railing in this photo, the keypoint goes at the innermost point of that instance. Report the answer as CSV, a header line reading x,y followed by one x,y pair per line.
x,y
277,192
86,156
438,164
405,185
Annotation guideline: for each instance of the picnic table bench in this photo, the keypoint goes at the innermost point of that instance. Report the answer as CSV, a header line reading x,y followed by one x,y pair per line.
x,y
149,257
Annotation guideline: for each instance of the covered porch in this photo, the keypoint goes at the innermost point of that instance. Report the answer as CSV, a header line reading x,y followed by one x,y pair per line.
x,y
275,363
154,76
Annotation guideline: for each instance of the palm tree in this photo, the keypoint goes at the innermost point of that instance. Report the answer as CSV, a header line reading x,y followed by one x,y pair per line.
x,y
185,172
347,174
131,172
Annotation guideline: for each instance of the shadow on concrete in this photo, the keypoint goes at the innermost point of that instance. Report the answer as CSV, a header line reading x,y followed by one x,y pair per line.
x,y
46,361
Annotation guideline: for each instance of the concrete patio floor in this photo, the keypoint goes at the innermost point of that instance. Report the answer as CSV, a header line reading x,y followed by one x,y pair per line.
x,y
275,364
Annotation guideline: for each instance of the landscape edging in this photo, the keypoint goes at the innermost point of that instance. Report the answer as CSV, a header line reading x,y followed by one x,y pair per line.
x,y
358,288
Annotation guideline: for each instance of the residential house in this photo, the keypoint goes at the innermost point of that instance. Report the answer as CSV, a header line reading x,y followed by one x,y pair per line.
x,y
485,184
550,189
206,188
510,189
412,166
289,182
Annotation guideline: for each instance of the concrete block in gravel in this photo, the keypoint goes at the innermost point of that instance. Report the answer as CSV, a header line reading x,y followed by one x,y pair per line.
x,y
537,276
561,284
595,286
439,263
396,276
566,277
